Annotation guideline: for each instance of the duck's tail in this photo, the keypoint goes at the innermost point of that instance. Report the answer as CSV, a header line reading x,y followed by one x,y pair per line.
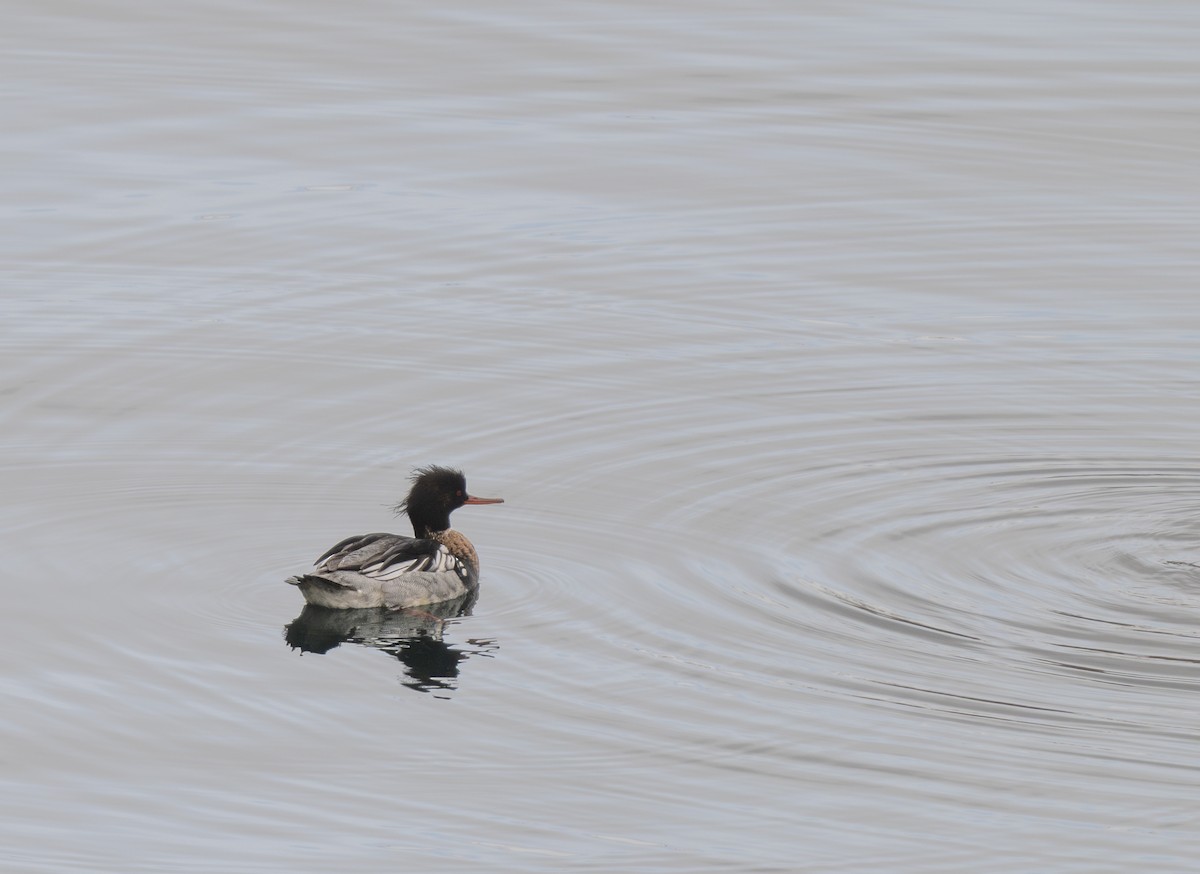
x,y
318,582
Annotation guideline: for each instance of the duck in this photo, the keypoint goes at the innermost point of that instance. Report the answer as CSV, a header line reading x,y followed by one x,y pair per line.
x,y
395,571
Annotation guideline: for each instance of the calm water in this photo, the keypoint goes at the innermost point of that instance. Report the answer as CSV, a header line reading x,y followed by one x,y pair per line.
x,y
837,363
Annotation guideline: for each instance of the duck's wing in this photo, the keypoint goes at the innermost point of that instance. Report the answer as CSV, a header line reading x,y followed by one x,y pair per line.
x,y
387,556
350,553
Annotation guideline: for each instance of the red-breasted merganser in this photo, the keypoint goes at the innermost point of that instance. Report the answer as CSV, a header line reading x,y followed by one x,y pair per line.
x,y
391,570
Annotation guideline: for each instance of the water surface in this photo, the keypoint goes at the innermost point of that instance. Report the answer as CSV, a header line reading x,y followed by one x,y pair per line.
x,y
837,365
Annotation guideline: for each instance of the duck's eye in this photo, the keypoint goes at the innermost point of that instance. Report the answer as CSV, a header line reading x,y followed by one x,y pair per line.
x,y
459,493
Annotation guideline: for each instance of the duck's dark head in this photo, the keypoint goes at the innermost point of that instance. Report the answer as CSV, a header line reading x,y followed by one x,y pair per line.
x,y
436,493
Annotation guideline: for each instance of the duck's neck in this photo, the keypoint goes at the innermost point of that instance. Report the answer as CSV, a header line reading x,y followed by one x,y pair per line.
x,y
428,524
437,527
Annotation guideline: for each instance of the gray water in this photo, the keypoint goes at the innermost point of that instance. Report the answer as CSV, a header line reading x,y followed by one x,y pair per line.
x,y
837,364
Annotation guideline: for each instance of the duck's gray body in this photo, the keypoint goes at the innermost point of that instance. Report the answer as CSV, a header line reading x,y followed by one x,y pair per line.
x,y
394,571
346,590
390,570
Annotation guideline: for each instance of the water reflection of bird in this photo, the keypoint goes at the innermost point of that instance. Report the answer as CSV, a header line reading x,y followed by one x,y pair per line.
x,y
413,636
395,571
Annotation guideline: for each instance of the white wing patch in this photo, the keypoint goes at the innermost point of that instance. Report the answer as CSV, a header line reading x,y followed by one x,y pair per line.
x,y
394,571
438,562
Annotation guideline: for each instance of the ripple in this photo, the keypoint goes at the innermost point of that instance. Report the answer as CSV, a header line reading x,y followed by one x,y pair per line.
x,y
1027,590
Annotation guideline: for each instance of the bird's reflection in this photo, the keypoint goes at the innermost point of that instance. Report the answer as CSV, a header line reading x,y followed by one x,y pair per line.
x,y
413,636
